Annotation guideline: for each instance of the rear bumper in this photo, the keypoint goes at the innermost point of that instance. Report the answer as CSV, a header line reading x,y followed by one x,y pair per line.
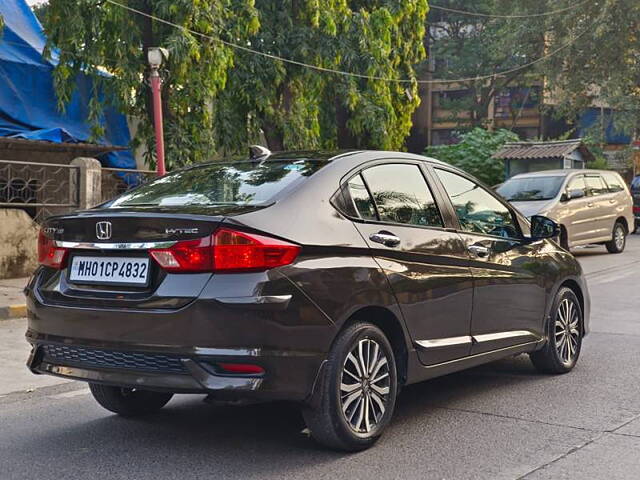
x,y
288,375
178,350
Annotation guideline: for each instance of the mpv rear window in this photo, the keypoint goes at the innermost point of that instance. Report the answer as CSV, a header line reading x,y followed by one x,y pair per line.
x,y
240,183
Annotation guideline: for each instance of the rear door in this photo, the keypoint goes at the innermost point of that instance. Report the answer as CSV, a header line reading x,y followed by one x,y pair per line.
x,y
426,263
603,216
576,214
509,291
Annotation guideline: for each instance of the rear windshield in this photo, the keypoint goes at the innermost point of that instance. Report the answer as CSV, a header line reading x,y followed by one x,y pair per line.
x,y
531,188
240,183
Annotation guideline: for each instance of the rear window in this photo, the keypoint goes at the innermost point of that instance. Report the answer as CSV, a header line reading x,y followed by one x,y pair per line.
x,y
240,183
614,182
531,188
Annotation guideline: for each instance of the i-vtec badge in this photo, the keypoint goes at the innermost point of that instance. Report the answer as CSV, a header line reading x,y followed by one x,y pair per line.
x,y
180,231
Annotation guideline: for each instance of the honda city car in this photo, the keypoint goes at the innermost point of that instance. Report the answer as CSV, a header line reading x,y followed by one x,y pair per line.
x,y
327,279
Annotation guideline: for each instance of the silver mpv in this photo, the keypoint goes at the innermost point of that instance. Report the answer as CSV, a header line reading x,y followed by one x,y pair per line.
x,y
591,206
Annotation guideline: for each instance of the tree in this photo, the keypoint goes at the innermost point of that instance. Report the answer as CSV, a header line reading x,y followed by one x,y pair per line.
x,y
466,46
41,10
94,36
473,153
298,107
221,98
600,64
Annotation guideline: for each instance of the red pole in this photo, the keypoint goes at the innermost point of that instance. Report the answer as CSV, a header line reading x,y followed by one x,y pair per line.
x,y
156,83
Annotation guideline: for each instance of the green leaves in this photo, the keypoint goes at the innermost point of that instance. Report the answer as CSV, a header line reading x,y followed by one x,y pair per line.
x,y
217,99
473,153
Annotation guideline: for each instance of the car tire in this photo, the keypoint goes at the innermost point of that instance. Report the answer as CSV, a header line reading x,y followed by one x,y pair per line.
x,y
355,397
564,335
618,238
129,402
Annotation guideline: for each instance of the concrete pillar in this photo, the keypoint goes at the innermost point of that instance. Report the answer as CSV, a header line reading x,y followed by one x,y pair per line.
x,y
89,182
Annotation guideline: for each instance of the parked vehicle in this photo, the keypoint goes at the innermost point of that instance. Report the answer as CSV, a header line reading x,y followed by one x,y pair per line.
x,y
591,206
635,193
331,280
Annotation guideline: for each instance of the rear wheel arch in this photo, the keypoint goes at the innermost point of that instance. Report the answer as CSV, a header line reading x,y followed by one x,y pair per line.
x,y
623,221
390,325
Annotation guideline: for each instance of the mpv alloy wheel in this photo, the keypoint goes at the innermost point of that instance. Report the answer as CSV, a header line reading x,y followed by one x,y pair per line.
x,y
355,396
618,240
564,335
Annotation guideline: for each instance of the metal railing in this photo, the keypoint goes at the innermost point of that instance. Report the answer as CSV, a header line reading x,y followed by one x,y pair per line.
x,y
45,189
116,181
42,189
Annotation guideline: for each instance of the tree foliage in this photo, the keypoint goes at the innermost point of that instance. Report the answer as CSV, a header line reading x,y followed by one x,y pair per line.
x,y
600,64
465,47
473,153
217,98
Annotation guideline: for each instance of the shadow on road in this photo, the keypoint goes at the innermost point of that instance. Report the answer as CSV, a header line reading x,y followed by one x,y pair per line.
x,y
260,440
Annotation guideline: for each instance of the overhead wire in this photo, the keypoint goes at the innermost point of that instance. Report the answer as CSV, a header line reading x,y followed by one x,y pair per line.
x,y
520,16
320,68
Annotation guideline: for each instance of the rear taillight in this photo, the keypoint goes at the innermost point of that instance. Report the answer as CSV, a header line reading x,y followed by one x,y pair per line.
x,y
636,209
226,251
186,256
49,254
237,251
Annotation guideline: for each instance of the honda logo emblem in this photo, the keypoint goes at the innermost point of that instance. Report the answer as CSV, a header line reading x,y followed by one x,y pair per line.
x,y
103,230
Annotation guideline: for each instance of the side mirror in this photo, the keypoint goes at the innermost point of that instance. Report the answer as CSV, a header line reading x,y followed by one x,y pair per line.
x,y
573,194
543,227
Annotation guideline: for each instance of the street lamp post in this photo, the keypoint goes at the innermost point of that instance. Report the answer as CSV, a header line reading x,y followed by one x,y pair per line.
x,y
155,55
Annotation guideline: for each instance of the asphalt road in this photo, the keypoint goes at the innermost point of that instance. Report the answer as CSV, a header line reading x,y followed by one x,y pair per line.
x,y
502,420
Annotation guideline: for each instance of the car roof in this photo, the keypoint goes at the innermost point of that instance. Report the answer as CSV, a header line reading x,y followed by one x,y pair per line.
x,y
560,172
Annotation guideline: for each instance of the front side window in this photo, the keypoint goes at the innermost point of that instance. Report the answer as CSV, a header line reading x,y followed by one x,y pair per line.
x,y
477,210
614,182
577,183
595,185
401,195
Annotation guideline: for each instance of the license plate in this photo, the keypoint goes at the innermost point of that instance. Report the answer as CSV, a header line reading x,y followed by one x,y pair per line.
x,y
109,270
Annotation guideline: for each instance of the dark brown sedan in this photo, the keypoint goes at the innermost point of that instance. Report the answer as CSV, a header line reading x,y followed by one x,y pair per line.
x,y
327,279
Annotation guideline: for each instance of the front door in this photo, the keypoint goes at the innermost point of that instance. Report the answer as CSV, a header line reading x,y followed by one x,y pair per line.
x,y
427,266
509,293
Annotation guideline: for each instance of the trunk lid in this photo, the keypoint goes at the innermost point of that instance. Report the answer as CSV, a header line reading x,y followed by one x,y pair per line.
x,y
131,232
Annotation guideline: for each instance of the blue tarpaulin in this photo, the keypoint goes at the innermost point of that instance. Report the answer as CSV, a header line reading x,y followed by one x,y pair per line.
x,y
28,103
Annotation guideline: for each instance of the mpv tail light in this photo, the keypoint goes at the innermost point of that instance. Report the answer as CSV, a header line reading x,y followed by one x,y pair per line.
x,y
226,251
49,254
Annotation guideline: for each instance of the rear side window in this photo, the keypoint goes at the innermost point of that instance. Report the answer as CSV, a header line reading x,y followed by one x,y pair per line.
x,y
401,195
595,185
614,182
241,183
361,199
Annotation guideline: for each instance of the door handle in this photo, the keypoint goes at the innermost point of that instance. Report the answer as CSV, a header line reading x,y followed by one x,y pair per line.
x,y
589,205
387,239
479,251
612,201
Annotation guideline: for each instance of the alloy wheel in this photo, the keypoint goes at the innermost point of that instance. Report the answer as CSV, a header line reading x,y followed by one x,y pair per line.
x,y
567,331
365,386
618,237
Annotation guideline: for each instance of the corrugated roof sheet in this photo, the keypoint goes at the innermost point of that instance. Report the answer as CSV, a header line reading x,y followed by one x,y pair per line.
x,y
532,150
